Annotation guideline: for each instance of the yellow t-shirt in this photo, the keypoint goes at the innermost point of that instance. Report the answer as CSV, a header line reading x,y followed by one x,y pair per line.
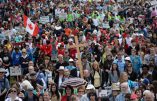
x,y
96,79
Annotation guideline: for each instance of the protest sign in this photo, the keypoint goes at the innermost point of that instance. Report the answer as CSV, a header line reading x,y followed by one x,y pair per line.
x,y
44,19
15,71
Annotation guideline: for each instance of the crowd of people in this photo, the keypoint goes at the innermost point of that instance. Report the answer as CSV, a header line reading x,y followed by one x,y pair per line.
x,y
120,51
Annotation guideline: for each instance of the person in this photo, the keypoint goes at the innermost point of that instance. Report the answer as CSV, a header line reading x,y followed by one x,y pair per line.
x,y
124,78
92,96
69,92
99,77
24,59
81,92
54,92
12,95
114,74
46,97
4,84
29,95
148,96
124,90
87,76
131,74
136,61
115,91
89,88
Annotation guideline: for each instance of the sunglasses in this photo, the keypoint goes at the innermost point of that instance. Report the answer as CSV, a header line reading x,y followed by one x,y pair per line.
x,y
13,91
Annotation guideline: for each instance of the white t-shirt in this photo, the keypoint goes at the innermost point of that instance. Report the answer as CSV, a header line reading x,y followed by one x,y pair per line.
x,y
17,98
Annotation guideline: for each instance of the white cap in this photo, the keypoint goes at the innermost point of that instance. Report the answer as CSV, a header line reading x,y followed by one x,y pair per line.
x,y
71,60
90,86
70,40
127,59
61,68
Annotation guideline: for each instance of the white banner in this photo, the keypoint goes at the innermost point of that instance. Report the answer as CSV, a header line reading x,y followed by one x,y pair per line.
x,y
15,71
44,19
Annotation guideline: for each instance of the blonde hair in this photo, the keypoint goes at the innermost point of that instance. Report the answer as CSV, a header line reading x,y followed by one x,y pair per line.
x,y
95,63
121,79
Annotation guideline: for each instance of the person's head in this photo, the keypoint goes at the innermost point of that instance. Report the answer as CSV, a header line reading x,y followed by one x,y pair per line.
x,y
30,69
33,75
123,77
12,92
129,68
95,65
30,63
16,49
1,61
109,57
61,70
69,90
115,88
66,72
46,96
145,69
90,88
71,62
138,92
2,72
127,60
92,96
124,87
119,55
148,95
46,59
24,52
81,91
133,52
86,73
60,57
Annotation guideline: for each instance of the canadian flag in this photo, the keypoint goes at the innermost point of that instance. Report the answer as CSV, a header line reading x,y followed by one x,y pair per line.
x,y
30,26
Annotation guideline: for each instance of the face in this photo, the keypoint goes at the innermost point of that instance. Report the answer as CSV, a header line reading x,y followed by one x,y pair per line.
x,y
114,66
124,89
53,88
148,97
125,77
46,96
1,74
68,91
30,69
13,91
81,92
31,63
46,61
145,70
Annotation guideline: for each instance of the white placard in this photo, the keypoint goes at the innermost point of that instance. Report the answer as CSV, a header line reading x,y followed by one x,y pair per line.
x,y
44,19
120,0
103,93
15,71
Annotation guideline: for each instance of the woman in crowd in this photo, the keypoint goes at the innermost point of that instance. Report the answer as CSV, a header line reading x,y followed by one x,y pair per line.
x,y
114,74
13,95
69,92
54,92
99,77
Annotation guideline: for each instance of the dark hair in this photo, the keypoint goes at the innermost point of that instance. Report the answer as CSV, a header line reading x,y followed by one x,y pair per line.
x,y
145,66
116,69
71,88
56,92
92,93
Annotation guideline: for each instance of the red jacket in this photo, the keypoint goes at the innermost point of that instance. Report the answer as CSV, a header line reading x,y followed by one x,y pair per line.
x,y
47,49
64,98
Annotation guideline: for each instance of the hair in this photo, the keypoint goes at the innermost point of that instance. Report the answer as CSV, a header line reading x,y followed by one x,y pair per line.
x,y
71,88
93,93
95,62
56,92
116,70
121,79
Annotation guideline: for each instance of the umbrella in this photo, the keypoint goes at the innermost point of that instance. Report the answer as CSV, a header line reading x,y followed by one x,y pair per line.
x,y
74,82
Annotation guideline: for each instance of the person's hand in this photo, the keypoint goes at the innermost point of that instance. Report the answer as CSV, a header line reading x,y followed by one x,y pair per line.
x,y
21,95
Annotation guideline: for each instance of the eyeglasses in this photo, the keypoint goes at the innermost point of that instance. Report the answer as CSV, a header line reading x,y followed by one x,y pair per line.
x,y
13,91
81,91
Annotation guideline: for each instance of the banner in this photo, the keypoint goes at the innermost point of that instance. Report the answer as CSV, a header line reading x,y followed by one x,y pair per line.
x,y
15,71
44,19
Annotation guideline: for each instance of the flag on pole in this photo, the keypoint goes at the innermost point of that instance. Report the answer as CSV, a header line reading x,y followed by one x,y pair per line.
x,y
31,28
